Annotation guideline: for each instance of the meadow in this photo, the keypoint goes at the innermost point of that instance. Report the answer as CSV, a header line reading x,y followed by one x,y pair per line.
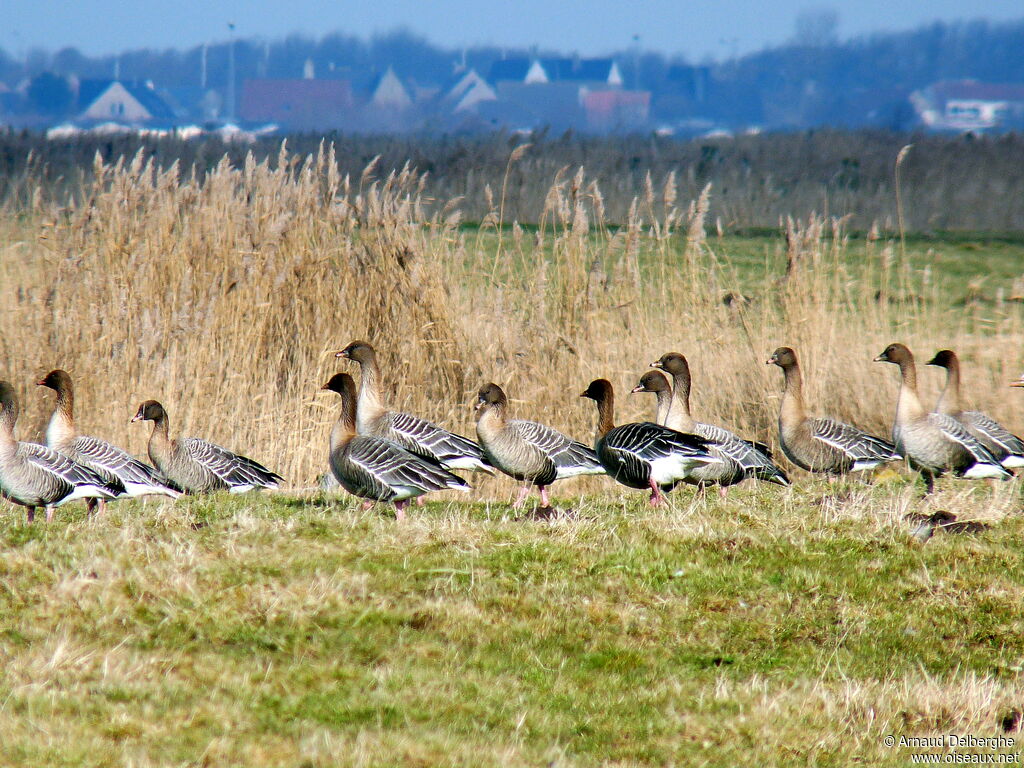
x,y
776,627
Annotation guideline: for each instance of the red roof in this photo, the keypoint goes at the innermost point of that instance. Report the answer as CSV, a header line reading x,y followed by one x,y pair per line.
x,y
297,103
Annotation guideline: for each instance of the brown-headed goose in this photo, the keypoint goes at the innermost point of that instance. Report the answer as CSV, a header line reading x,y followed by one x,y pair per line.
x,y
416,435
822,444
36,476
740,458
934,442
1004,445
109,461
377,469
642,454
196,466
528,451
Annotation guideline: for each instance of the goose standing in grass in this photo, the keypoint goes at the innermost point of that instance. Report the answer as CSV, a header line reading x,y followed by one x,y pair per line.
x,y
528,451
740,458
1004,445
642,454
416,435
36,476
196,466
377,469
934,442
822,444
109,461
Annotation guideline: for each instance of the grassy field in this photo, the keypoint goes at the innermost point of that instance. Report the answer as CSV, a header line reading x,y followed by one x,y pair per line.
x,y
777,627
780,627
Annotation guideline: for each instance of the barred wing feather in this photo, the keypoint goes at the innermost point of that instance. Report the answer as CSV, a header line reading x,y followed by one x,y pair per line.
x,y
238,472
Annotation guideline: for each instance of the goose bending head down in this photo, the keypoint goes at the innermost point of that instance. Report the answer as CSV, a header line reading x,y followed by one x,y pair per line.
x,y
526,450
376,469
643,454
934,442
1003,444
197,466
413,433
36,476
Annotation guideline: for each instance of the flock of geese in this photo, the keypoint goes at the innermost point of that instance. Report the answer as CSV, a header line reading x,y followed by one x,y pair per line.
x,y
381,455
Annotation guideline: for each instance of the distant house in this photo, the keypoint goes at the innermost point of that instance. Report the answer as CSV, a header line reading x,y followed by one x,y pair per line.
x,y
553,104
468,91
388,92
616,110
122,102
298,104
603,71
969,105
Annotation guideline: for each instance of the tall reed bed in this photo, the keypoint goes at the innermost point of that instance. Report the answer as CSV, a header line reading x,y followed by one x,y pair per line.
x,y
225,296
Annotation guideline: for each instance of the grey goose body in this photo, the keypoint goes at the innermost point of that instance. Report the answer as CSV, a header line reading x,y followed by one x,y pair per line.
x,y
934,443
526,450
110,462
377,469
197,466
415,434
643,454
741,459
36,476
1003,444
822,444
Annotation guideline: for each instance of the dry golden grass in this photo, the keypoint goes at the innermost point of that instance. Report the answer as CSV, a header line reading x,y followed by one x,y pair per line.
x,y
226,298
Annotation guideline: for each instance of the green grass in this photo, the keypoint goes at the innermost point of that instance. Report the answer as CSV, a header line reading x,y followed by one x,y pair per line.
x,y
775,627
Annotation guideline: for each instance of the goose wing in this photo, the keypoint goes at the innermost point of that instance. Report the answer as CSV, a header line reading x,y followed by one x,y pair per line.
x,y
71,472
995,432
422,437
754,458
855,443
649,442
234,470
957,432
110,460
568,456
388,465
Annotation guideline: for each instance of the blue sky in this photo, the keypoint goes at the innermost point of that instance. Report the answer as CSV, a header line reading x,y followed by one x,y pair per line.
x,y
693,28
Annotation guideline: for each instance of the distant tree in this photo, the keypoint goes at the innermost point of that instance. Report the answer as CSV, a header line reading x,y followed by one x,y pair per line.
x,y
50,94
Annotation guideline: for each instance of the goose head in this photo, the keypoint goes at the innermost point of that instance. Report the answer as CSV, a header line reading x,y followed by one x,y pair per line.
x,y
784,357
489,396
358,351
895,353
150,410
673,364
652,381
57,380
944,358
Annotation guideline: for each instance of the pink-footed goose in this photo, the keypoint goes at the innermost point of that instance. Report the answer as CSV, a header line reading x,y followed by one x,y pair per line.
x,y
196,466
642,454
36,476
527,451
741,459
413,433
1003,444
934,443
822,444
377,469
109,461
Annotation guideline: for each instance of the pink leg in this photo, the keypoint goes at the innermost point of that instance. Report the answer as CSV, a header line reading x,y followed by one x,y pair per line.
x,y
544,496
420,501
723,491
832,479
367,504
400,510
49,514
656,496
523,493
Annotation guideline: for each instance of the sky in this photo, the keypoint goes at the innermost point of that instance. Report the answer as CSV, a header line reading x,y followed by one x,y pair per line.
x,y
696,29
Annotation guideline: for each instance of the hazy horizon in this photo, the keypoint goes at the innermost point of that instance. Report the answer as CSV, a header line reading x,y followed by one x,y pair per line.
x,y
699,30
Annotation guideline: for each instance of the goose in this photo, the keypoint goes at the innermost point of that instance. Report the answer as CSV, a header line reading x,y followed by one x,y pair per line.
x,y
822,444
1005,446
528,451
36,476
642,454
934,442
413,433
377,469
740,458
196,466
108,461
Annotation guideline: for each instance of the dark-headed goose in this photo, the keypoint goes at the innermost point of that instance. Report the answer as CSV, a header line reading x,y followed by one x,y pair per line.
x,y
196,466
36,476
416,435
109,461
934,442
740,458
1004,445
526,450
822,444
378,469
642,454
